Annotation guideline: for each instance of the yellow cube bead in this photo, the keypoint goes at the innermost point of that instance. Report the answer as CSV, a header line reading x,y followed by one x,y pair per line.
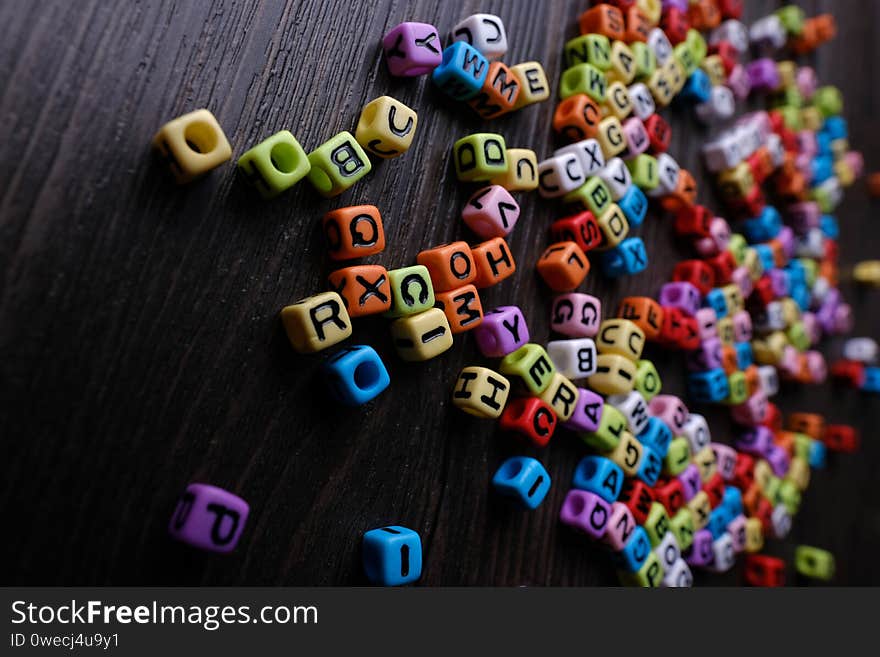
x,y
649,575
678,458
522,171
812,119
839,147
763,473
867,272
618,100
713,66
614,226
844,173
753,264
737,182
726,334
620,336
192,145
533,85
481,392
615,375
787,71
682,525
660,87
612,426
386,127
706,462
700,509
628,454
562,396
734,298
423,336
610,137
675,73
754,535
623,63
533,367
652,9
814,562
317,322
791,312
799,473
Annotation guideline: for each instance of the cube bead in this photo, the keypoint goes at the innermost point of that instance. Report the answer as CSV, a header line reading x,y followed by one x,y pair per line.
x,y
480,156
531,364
502,331
337,164
209,518
423,336
575,358
192,145
275,164
461,72
364,289
531,418
392,555
412,291
599,475
354,232
481,392
386,127
356,375
485,32
586,512
412,49
524,479
316,322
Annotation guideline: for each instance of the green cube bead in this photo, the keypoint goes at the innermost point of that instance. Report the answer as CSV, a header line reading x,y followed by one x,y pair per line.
x,y
646,61
788,97
737,247
532,365
657,523
790,496
411,291
275,164
592,49
649,575
739,389
803,445
823,198
699,47
791,117
606,437
814,562
682,525
593,195
678,457
792,18
811,270
481,156
685,56
644,171
828,100
771,489
648,382
583,79
337,164
797,335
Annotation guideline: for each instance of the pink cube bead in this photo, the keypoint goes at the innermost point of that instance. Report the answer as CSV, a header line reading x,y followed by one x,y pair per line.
x,y
501,332
817,366
742,326
737,530
705,357
691,482
585,512
807,145
576,315
636,137
806,81
620,527
491,212
412,49
856,162
811,326
843,319
587,412
209,518
739,82
671,410
752,411
725,458
789,364
741,278
707,323
682,295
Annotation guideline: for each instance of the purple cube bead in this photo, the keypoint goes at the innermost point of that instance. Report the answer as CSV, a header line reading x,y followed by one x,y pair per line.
x,y
737,530
763,75
706,357
700,553
778,459
843,319
691,483
681,5
743,280
501,332
209,518
682,295
803,216
585,512
757,441
786,238
412,49
587,412
739,82
707,323
780,282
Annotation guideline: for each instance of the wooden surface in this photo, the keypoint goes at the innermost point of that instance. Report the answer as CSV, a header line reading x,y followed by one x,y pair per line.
x,y
140,347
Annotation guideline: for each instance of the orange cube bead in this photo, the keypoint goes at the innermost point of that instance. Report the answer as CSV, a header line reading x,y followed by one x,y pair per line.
x,y
808,40
684,195
638,27
645,313
354,232
811,424
603,19
494,262
704,14
873,181
365,289
753,379
563,266
499,93
826,27
728,360
462,308
785,440
577,118
450,265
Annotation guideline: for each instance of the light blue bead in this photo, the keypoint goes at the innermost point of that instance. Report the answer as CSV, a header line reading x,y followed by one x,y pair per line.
x,y
744,354
718,521
733,501
656,435
836,128
823,143
636,550
392,555
634,205
462,72
524,479
796,272
650,466
817,455
599,475
627,258
716,301
709,386
765,254
801,295
764,227
698,88
356,375
829,226
822,168
872,379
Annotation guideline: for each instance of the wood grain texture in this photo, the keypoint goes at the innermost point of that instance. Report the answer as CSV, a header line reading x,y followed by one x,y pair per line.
x,y
140,347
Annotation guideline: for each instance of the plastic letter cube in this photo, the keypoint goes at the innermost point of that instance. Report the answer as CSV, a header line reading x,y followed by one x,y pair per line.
x,y
423,336
485,32
589,154
462,307
587,413
562,396
533,84
354,232
575,359
275,164
524,479
450,266
317,322
531,364
480,156
481,392
499,92
649,575
386,127
634,408
645,313
531,418
628,455
615,374
209,518
392,556
647,383
494,262
521,175
462,71
599,475
337,164
814,562
563,266
412,49
356,375
365,289
502,331
586,512
411,291
583,79
620,336
611,427
192,145
636,551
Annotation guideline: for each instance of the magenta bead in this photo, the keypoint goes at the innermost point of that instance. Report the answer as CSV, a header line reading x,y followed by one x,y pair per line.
x,y
412,49
700,552
707,323
803,216
620,527
725,457
742,326
763,75
737,530
806,81
587,412
209,518
739,82
856,162
585,512
690,481
779,283
843,319
491,212
636,137
778,459
789,364
786,238
671,410
682,295
817,366
576,315
755,441
811,326
743,280
501,332
807,145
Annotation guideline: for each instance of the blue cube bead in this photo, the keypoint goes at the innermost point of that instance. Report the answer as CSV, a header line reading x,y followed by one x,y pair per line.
x,y
627,258
764,227
392,555
599,475
523,479
744,354
634,205
796,273
801,295
718,521
822,168
817,455
709,386
650,466
716,301
823,143
698,88
835,127
733,500
872,379
636,550
462,72
657,435
829,226
356,375
765,254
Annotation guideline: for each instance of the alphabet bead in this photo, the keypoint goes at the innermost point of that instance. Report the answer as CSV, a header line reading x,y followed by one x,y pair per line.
x,y
813,562
411,291
316,322
485,32
678,457
583,79
386,127
450,266
592,49
668,551
462,71
521,174
678,575
611,426
533,367
614,375
356,375
481,392
337,164
647,383
586,512
423,336
763,570
577,118
209,518
563,266
354,232
589,154
645,313
364,289
562,396
559,175
634,205
392,555
620,527
649,575
611,137
634,408
462,307
480,156
636,551
275,164
499,92
603,19
656,435
501,332
192,145
620,336
614,228
619,102
524,479
494,262
412,49
600,476
616,177
682,525
575,359
628,454
581,228
650,467
533,84
531,418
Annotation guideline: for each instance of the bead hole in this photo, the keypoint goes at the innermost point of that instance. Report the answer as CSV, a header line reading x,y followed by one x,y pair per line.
x,y
366,375
511,469
576,505
200,137
283,157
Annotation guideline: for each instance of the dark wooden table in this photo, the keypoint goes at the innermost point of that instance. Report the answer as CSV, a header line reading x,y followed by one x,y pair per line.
x,y
140,346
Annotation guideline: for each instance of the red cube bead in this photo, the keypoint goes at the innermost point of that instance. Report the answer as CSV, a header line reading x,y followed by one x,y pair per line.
x,y
675,23
762,291
637,25
773,419
672,330
695,272
530,417
850,371
723,266
841,438
638,498
645,313
603,19
704,14
761,570
659,133
728,54
714,488
581,228
690,334
730,8
744,471
670,494
693,221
